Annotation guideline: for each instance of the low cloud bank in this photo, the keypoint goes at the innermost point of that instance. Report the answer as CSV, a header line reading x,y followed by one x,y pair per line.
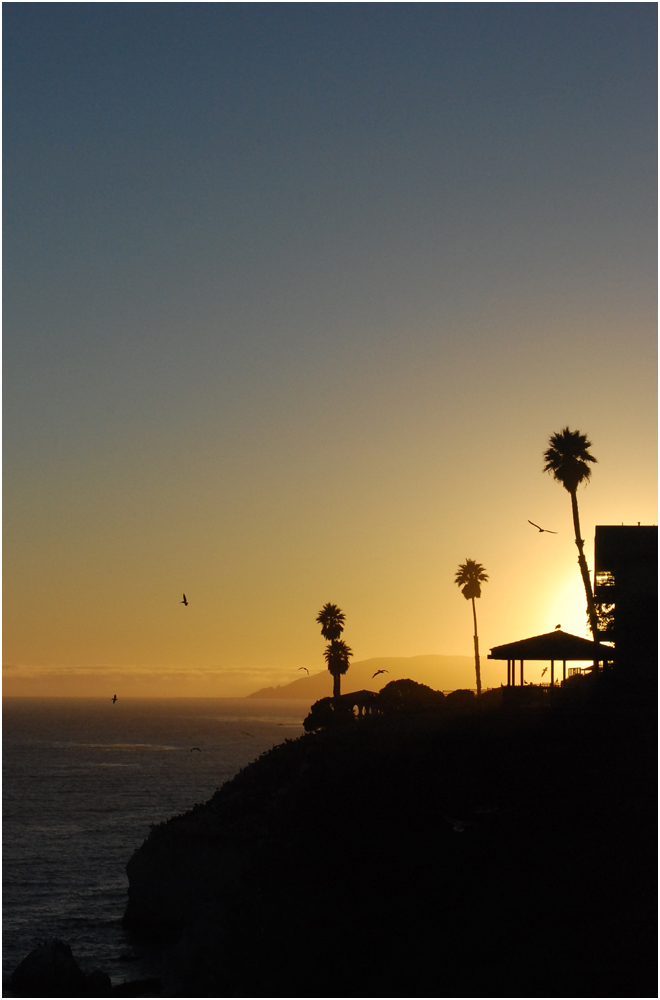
x,y
444,673
137,682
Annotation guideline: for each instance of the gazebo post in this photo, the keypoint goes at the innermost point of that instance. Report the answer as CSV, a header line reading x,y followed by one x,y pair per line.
x,y
521,674
564,669
552,673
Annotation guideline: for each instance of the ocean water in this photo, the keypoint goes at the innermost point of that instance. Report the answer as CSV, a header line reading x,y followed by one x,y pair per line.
x,y
83,781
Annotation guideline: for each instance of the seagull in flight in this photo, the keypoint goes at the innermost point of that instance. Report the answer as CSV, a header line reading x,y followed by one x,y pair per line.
x,y
184,601
544,672
114,699
304,668
542,529
195,748
383,671
458,825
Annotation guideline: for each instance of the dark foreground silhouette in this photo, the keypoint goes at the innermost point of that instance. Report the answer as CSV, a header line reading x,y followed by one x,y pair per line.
x,y
50,970
471,852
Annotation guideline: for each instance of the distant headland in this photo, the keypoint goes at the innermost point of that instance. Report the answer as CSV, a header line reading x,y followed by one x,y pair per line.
x,y
443,673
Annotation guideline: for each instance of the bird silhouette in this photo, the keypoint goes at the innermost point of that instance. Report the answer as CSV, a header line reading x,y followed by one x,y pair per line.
x,y
184,601
383,671
114,699
458,825
195,748
542,529
544,672
304,668
557,626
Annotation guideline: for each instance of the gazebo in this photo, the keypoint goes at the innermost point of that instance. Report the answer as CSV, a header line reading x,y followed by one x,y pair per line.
x,y
551,646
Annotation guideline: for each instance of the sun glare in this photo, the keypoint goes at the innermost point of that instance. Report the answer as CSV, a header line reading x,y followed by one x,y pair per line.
x,y
567,604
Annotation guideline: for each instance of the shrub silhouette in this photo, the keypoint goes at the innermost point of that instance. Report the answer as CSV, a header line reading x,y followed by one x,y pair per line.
x,y
463,698
327,712
407,696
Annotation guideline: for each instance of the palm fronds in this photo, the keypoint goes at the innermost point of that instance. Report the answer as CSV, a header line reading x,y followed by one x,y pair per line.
x,y
567,458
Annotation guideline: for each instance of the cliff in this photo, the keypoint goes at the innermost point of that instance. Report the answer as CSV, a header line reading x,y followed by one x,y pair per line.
x,y
490,854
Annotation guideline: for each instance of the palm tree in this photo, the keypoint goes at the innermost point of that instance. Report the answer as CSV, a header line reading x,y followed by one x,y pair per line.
x,y
336,656
566,459
470,576
331,619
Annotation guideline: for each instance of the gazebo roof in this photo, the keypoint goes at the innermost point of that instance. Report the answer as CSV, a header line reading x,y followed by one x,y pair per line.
x,y
555,645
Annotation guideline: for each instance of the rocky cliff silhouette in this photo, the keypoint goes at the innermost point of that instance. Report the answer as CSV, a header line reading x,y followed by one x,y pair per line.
x,y
491,854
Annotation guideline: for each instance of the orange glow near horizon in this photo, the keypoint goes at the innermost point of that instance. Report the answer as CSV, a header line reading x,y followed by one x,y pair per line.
x,y
155,647
308,342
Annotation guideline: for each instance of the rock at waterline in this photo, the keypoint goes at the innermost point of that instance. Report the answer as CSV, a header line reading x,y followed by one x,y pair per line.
x,y
52,971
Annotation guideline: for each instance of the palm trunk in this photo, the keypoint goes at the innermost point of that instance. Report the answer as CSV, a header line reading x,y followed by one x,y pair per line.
x,y
477,665
584,570
336,686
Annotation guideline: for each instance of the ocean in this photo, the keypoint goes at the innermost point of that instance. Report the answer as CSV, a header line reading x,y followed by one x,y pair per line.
x,y
83,781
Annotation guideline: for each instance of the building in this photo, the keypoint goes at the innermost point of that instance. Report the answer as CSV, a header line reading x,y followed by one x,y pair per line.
x,y
626,594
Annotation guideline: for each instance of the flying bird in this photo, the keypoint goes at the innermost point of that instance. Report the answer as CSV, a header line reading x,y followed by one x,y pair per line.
x,y
383,671
184,601
114,699
458,825
542,529
195,748
304,668
544,672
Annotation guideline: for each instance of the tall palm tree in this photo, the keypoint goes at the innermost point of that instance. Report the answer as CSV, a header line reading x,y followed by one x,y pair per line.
x,y
470,576
336,655
566,459
331,619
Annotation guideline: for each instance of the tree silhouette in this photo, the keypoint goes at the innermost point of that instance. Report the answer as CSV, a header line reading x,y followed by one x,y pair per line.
x,y
405,695
336,655
566,459
470,576
331,619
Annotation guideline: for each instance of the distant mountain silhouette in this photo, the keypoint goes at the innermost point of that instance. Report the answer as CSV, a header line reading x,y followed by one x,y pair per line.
x,y
442,673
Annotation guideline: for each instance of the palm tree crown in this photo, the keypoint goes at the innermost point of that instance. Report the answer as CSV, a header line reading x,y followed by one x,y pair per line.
x,y
331,618
567,458
470,576
336,655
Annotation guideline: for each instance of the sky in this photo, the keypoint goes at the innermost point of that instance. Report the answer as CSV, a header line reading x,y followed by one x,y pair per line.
x,y
295,294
